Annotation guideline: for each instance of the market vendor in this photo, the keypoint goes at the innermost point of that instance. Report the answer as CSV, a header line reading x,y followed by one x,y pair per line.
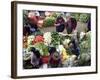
x,y
36,60
54,58
70,24
33,18
60,24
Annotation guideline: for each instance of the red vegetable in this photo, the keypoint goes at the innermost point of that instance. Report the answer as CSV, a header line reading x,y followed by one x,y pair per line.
x,y
45,59
38,38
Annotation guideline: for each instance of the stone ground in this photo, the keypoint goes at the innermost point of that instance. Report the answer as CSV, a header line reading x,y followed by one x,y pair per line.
x,y
80,27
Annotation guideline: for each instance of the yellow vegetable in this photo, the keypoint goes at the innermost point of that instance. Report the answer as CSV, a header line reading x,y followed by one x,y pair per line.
x,y
64,54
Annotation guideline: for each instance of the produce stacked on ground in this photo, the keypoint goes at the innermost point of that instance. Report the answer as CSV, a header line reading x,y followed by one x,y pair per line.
x,y
65,52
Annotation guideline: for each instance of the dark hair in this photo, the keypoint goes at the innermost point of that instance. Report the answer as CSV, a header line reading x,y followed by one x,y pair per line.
x,y
71,25
36,52
52,50
26,30
58,18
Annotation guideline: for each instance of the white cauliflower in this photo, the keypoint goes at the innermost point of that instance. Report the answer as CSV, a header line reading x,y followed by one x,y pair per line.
x,y
66,41
47,38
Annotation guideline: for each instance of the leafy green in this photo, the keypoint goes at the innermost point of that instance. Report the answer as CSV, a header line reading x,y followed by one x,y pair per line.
x,y
76,16
42,48
48,21
56,39
85,44
84,17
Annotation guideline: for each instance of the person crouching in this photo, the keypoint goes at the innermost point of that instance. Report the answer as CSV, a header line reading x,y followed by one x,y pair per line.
x,y
54,59
36,60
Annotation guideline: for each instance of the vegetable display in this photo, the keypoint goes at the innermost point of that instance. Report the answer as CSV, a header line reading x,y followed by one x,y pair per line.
x,y
49,21
84,18
53,45
55,39
42,48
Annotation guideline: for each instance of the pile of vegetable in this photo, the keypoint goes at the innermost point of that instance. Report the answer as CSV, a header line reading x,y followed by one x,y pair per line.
x,y
64,45
82,17
43,49
85,50
76,16
85,43
49,21
74,49
56,39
